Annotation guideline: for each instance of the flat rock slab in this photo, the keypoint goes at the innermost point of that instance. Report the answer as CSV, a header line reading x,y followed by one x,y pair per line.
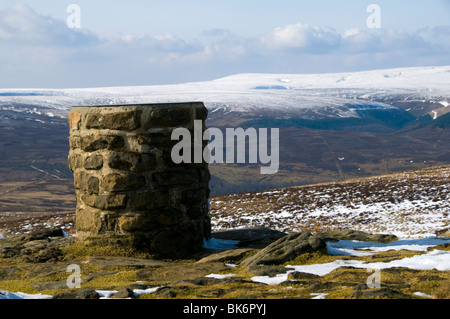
x,y
350,234
125,261
258,237
227,255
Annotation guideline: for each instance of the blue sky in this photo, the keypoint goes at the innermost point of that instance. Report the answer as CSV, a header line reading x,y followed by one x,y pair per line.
x,y
138,42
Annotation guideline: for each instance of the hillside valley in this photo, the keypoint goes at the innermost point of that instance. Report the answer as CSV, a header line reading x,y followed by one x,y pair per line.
x,y
333,127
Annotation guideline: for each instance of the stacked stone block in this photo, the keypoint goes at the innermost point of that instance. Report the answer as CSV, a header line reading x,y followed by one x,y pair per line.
x,y
127,185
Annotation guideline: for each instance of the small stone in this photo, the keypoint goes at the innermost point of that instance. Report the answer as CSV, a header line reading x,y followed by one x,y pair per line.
x,y
74,142
93,162
92,143
78,294
131,162
75,161
124,293
170,115
86,182
105,201
125,121
74,120
122,182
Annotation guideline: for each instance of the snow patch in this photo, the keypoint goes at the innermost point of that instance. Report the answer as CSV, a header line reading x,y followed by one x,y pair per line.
x,y
219,276
20,295
435,259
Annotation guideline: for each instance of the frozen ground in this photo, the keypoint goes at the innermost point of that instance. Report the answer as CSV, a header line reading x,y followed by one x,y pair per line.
x,y
409,205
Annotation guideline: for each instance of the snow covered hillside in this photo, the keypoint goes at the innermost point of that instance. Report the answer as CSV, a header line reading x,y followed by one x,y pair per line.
x,y
409,205
309,95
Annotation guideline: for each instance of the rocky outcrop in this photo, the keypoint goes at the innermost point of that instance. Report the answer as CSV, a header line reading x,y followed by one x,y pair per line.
x,y
127,183
78,294
37,247
252,237
22,266
350,234
285,249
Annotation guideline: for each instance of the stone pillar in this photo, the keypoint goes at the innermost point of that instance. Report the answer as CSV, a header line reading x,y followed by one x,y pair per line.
x,y
127,185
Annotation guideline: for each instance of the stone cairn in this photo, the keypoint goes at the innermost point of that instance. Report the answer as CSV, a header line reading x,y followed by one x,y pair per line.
x,y
126,183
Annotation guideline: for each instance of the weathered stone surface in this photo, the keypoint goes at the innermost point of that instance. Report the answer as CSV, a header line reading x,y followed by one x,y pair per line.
x,y
170,115
37,247
92,143
227,255
131,162
151,220
156,139
149,200
105,201
285,249
127,184
88,221
74,142
78,294
74,120
110,261
122,182
255,237
201,112
124,121
74,161
86,182
124,293
350,234
93,162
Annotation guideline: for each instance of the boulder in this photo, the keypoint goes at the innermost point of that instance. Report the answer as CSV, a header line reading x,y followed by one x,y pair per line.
x,y
256,237
286,249
349,234
78,294
226,256
124,293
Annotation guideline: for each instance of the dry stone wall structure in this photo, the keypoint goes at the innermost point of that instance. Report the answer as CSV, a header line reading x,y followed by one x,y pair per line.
x,y
127,185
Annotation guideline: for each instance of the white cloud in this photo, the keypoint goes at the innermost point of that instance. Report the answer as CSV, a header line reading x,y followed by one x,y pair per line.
x,y
22,25
301,38
38,50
